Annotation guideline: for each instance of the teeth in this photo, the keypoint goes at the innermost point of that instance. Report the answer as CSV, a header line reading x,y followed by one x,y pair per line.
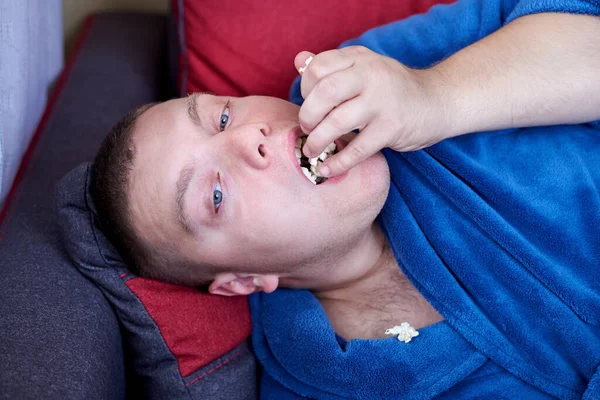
x,y
298,153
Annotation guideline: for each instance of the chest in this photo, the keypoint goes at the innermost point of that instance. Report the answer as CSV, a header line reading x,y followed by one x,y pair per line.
x,y
364,319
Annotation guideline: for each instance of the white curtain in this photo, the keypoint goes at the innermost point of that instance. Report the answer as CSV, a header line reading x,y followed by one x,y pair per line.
x,y
31,58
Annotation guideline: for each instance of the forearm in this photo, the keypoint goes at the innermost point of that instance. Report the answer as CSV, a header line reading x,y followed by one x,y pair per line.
x,y
541,69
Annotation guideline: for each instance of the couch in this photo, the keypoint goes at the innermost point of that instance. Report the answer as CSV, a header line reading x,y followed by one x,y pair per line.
x,y
62,334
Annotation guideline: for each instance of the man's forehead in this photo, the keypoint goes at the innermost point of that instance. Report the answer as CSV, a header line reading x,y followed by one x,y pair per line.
x,y
160,146
161,141
153,147
167,115
158,118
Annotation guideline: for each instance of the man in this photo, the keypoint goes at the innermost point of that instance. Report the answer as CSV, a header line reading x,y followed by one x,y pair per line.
x,y
486,243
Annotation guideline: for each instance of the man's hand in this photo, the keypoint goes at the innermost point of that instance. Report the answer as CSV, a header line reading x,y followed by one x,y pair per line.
x,y
356,88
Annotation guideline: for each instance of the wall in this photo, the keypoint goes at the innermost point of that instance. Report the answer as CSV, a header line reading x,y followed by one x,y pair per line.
x,y
75,11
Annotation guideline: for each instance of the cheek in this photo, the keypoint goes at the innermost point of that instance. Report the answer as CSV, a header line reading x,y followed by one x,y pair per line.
x,y
361,196
268,216
374,172
375,182
265,205
280,109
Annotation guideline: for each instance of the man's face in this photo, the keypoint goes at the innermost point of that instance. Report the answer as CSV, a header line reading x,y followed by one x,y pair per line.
x,y
216,178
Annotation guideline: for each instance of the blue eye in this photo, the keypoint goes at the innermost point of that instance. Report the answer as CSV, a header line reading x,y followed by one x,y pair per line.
x,y
224,118
217,195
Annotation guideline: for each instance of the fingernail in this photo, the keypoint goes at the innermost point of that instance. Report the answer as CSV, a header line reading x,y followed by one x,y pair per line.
x,y
303,128
323,170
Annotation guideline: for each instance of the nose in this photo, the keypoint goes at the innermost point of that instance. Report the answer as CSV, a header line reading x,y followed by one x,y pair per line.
x,y
248,143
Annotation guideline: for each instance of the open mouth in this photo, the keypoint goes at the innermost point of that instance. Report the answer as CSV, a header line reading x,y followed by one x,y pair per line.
x,y
310,166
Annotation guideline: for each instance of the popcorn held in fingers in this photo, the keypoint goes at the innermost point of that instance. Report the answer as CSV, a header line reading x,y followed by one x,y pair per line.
x,y
302,69
405,332
310,166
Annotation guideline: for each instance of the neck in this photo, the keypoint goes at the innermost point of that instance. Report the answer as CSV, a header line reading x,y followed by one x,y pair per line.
x,y
376,298
338,265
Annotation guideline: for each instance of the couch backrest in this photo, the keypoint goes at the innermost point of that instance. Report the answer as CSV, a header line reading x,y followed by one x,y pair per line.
x,y
239,48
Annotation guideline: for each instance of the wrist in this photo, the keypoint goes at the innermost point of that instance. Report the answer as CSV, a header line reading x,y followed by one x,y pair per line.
x,y
442,94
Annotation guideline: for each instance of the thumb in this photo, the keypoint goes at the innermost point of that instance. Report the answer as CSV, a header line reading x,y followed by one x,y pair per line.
x,y
361,147
300,60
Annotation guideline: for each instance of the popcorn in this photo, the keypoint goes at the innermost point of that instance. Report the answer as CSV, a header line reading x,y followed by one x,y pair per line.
x,y
310,176
302,69
310,166
405,332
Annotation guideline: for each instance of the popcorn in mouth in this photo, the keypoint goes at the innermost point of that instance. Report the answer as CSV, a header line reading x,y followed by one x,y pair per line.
x,y
310,166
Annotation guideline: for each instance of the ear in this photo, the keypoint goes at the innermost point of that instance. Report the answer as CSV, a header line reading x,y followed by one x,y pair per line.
x,y
228,284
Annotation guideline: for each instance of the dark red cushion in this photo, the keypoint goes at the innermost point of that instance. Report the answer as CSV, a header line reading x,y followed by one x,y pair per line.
x,y
197,327
238,48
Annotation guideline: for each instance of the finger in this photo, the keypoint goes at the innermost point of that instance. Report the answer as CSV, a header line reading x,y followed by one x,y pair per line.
x,y
322,65
363,146
348,116
329,93
300,61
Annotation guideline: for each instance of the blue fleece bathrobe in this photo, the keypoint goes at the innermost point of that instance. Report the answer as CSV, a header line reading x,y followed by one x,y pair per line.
x,y
500,231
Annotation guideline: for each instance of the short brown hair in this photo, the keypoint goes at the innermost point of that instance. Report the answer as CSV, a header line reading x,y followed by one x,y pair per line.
x,y
110,186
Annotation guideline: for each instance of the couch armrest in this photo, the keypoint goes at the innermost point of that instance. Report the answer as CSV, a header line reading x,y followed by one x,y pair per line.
x,y
59,337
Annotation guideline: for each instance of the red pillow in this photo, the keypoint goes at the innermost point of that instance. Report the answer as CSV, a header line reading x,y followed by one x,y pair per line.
x,y
238,48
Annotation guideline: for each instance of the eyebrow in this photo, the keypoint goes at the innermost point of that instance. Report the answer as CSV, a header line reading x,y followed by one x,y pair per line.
x,y
192,107
185,177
